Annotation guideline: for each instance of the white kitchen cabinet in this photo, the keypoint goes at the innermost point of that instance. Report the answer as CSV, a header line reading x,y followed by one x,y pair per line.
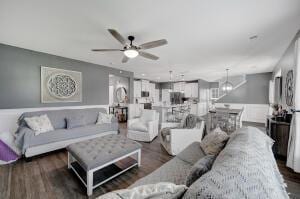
x,y
145,85
188,90
191,90
137,87
151,90
165,96
194,90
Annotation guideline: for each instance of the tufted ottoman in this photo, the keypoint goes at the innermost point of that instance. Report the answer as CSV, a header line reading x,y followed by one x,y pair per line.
x,y
93,161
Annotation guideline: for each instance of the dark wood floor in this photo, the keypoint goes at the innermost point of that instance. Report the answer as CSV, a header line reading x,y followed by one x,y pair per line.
x,y
47,176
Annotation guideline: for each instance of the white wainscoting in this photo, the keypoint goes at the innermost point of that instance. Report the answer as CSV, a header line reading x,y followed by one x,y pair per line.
x,y
9,117
252,112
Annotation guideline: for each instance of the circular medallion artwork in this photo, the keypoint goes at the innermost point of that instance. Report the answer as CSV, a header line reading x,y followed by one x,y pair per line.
x,y
289,88
61,86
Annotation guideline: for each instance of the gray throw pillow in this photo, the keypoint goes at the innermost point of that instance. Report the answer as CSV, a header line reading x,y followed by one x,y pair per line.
x,y
202,166
75,121
214,142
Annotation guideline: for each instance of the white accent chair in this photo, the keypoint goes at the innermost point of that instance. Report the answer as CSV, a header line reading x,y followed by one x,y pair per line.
x,y
179,139
145,128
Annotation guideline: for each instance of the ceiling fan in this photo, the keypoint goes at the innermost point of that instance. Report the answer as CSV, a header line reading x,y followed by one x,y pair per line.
x,y
130,50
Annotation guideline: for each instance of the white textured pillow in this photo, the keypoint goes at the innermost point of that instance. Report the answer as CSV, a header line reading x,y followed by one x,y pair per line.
x,y
138,126
40,124
159,190
214,142
104,118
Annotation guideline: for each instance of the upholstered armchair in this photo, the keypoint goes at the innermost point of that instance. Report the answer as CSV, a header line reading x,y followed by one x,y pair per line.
x,y
178,138
144,128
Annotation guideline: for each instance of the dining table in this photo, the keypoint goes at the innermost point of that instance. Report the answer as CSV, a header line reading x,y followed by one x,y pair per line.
x,y
227,115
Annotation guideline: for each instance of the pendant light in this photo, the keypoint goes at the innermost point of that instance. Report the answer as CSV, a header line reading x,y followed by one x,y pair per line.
x,y
170,82
227,86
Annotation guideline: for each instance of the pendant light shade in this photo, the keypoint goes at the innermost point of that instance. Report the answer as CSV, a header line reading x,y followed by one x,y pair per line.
x,y
227,86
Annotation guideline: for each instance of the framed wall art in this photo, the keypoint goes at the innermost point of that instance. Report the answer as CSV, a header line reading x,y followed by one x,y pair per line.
x,y
58,85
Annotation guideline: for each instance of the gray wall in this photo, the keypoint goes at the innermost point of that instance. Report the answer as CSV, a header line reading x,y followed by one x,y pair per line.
x,y
286,63
20,78
254,91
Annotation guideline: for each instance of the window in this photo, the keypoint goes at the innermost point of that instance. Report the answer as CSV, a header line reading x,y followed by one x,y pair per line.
x,y
214,93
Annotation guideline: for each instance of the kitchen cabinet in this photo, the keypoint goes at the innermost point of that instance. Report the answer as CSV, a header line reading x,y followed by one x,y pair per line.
x,y
191,90
151,90
137,87
194,90
187,90
145,85
165,96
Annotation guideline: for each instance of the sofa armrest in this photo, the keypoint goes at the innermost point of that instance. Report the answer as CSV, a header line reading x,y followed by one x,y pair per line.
x,y
23,137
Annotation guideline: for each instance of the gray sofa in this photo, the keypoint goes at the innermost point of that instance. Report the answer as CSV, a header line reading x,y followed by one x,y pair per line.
x,y
245,168
31,144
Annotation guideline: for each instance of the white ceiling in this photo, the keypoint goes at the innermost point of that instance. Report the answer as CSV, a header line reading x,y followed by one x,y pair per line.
x,y
205,36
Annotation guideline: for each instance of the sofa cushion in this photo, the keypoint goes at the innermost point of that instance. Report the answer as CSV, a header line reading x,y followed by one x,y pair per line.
x,y
58,117
192,153
138,126
75,120
104,118
214,142
162,190
174,171
27,139
39,124
199,168
245,168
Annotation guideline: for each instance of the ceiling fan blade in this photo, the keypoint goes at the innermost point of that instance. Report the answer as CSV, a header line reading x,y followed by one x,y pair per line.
x,y
117,36
125,59
154,44
148,55
105,50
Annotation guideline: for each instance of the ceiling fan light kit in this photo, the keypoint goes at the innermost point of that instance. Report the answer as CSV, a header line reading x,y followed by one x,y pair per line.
x,y
132,51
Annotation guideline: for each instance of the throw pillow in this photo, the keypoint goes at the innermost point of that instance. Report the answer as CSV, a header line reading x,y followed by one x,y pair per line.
x,y
104,118
165,190
75,121
214,142
202,166
138,126
39,124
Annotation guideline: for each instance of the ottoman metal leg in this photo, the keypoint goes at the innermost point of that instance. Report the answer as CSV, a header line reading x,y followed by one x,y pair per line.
x,y
89,184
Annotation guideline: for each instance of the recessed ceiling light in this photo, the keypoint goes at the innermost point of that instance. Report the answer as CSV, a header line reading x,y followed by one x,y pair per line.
x,y
143,74
253,37
121,71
